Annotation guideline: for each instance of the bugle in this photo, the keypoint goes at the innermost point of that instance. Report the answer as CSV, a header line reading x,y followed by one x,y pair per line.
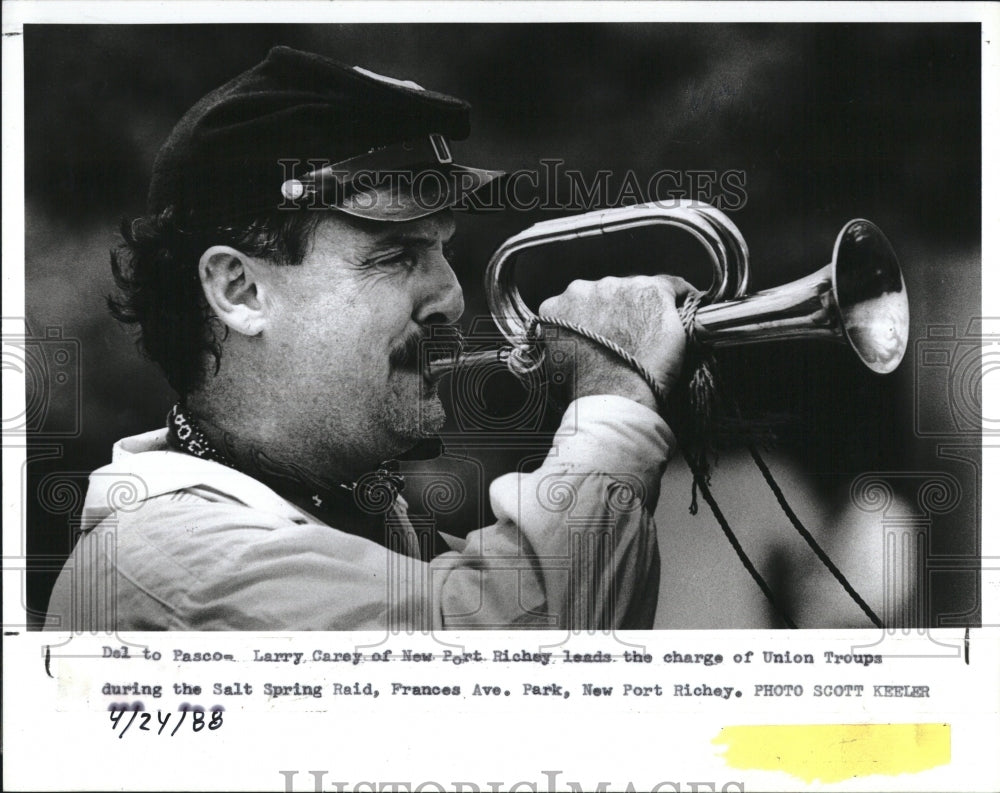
x,y
858,299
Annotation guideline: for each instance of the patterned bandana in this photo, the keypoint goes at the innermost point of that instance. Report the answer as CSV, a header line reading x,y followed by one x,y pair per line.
x,y
362,507
186,436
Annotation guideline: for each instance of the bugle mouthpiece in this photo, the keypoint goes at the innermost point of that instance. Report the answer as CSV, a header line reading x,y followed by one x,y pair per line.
x,y
445,365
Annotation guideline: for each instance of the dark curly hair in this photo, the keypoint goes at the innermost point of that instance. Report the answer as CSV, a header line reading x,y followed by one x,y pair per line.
x,y
156,271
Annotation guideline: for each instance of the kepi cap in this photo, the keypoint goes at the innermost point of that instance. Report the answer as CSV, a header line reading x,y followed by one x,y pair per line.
x,y
300,129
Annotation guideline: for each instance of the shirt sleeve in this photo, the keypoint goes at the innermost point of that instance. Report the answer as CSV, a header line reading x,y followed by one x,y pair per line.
x,y
574,544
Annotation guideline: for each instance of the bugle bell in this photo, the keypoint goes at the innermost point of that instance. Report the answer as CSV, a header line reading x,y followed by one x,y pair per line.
x,y
858,299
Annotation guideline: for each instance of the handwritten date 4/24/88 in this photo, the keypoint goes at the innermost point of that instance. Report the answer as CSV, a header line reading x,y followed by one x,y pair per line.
x,y
158,722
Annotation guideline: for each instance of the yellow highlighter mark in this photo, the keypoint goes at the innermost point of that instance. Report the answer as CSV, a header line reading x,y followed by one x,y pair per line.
x,y
834,752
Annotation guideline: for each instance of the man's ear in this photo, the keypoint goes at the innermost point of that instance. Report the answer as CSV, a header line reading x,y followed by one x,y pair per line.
x,y
232,287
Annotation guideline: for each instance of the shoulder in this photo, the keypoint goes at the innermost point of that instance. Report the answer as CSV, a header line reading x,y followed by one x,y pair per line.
x,y
204,537
223,565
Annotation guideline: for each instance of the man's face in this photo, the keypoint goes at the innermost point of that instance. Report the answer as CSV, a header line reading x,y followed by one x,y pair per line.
x,y
344,330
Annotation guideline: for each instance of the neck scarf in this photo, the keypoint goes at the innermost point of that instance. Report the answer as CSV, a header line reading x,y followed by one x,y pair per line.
x,y
362,507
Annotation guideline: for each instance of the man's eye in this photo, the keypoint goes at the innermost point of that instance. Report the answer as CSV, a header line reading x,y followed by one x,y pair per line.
x,y
405,260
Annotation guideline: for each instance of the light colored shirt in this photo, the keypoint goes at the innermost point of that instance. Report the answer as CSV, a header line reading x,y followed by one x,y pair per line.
x,y
175,542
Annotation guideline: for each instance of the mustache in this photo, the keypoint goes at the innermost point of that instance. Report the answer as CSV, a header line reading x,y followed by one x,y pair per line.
x,y
440,338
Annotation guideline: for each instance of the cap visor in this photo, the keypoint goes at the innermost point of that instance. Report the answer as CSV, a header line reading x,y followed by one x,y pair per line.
x,y
418,194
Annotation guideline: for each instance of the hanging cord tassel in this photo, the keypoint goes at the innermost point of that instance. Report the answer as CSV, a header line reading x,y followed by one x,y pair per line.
x,y
698,411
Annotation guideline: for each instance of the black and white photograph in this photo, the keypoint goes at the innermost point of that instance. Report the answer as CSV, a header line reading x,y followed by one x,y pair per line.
x,y
289,397
635,358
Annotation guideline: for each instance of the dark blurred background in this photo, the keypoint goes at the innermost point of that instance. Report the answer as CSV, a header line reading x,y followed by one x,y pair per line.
x,y
827,122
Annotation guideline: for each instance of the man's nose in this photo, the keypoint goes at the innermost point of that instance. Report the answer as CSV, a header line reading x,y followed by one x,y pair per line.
x,y
443,302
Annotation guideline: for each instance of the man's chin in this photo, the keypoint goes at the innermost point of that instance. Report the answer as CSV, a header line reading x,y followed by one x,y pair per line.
x,y
418,412
432,416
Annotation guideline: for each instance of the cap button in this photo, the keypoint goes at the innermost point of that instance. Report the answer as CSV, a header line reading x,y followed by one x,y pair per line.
x,y
293,189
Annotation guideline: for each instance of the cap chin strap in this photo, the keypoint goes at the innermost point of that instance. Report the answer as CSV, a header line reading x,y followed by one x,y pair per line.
x,y
388,80
397,158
